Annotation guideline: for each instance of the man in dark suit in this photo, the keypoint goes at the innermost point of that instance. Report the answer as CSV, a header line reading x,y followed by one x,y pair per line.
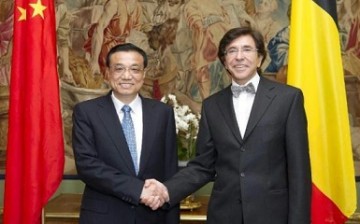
x,y
121,139
252,143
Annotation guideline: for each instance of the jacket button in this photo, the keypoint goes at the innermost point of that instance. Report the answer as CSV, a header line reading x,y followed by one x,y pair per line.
x,y
242,174
242,149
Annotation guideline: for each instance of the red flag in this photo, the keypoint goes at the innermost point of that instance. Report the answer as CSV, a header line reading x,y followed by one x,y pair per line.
x,y
35,150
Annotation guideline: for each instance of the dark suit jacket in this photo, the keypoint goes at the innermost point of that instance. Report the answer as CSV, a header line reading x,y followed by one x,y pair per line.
x,y
263,178
103,161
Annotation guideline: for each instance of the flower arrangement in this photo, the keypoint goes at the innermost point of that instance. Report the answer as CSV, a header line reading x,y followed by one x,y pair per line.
x,y
187,126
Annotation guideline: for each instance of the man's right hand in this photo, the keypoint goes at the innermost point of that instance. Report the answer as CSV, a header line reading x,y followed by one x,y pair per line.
x,y
154,194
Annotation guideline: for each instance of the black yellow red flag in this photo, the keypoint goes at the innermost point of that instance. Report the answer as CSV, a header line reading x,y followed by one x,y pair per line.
x,y
315,66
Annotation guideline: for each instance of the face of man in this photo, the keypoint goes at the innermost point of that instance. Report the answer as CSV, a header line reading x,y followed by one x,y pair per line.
x,y
126,74
265,6
168,9
242,59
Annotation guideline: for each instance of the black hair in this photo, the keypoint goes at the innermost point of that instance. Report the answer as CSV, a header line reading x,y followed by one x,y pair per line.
x,y
126,47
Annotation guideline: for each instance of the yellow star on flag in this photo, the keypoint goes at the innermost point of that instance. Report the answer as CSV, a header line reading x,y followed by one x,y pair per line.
x,y
23,13
38,9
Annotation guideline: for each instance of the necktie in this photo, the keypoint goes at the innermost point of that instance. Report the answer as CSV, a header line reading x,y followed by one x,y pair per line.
x,y
236,90
129,131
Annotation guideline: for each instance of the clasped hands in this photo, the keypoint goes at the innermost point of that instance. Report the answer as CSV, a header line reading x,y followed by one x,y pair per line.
x,y
154,194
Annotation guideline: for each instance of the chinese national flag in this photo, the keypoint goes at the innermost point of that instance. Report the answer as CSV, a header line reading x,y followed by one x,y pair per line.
x,y
35,150
315,66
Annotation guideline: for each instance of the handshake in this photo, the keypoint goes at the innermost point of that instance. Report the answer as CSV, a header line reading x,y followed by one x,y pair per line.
x,y
154,194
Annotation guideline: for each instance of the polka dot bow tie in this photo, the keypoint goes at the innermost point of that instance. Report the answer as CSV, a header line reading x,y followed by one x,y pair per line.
x,y
236,90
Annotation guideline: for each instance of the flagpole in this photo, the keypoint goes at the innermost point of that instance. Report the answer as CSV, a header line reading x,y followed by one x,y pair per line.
x,y
42,216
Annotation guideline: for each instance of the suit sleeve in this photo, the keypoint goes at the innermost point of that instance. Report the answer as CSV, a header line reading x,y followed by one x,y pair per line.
x,y
299,174
95,172
200,170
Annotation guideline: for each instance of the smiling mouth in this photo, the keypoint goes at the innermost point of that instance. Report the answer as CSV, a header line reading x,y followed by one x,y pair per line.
x,y
240,67
126,85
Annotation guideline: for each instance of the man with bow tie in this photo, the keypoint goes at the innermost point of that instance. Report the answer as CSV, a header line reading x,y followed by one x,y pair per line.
x,y
252,143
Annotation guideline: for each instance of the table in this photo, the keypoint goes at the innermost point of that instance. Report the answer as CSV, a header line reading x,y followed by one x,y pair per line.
x,y
65,209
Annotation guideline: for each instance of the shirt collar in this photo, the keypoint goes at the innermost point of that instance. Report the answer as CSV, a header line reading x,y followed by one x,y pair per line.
x,y
135,104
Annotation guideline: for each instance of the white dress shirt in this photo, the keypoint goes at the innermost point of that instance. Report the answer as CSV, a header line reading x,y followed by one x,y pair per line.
x,y
136,116
243,104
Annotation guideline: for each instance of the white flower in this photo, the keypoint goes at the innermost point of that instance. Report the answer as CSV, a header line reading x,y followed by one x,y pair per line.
x,y
172,97
187,126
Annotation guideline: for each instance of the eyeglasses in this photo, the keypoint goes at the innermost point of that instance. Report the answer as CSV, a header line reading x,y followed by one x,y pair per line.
x,y
233,51
120,70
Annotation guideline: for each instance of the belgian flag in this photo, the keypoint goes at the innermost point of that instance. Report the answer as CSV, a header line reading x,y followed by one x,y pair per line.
x,y
315,66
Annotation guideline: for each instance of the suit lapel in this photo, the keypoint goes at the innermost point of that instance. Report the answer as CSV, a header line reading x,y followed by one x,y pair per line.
x,y
264,96
107,114
226,107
